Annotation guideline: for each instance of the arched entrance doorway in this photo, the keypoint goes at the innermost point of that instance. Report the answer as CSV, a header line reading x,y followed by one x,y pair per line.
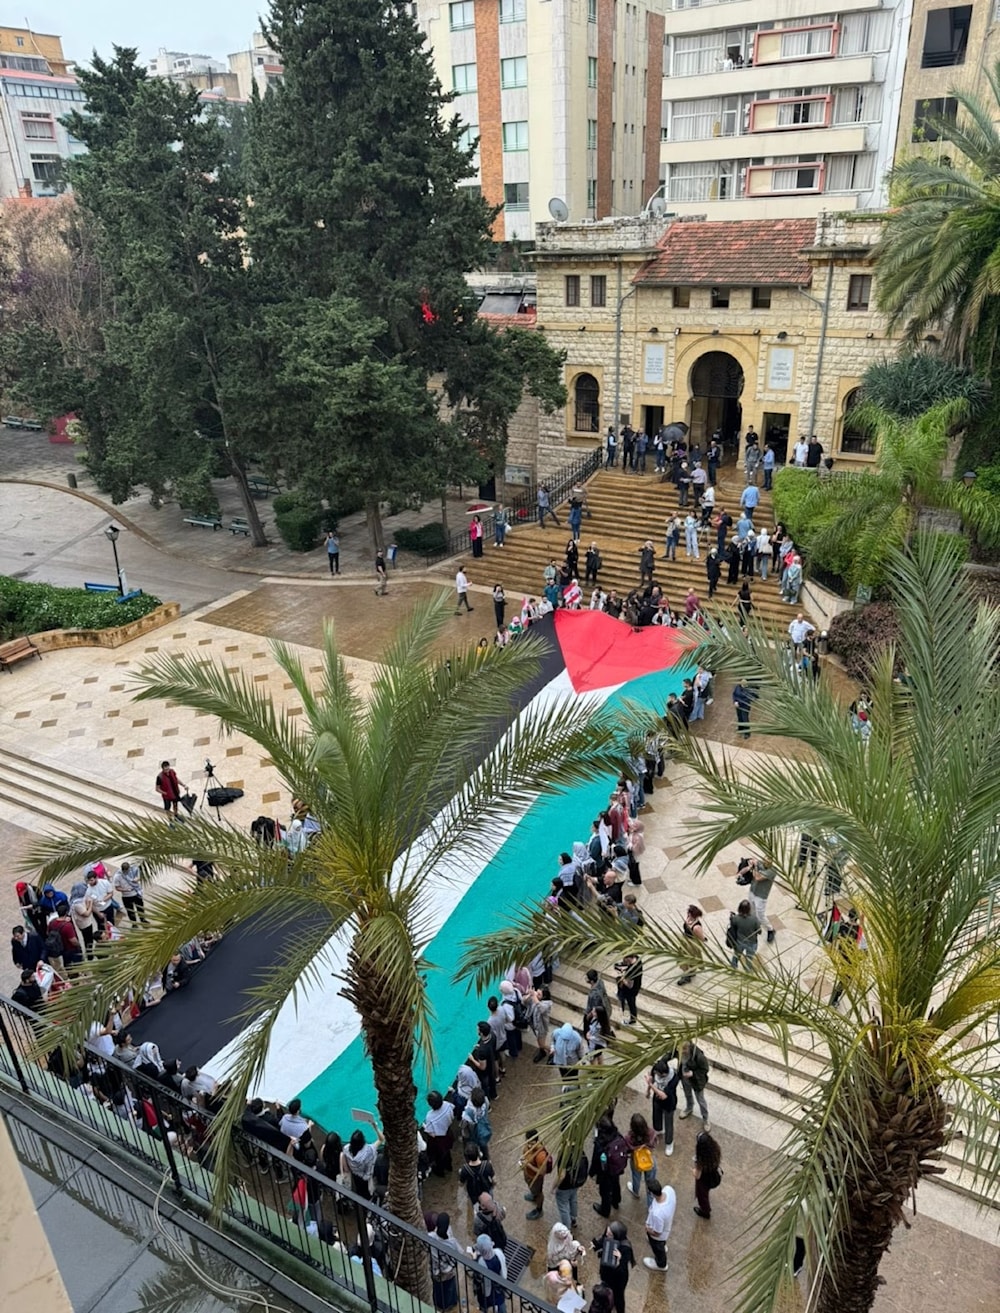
x,y
716,386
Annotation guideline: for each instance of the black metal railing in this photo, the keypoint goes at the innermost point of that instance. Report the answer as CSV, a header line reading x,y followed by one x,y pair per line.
x,y
356,1245
523,507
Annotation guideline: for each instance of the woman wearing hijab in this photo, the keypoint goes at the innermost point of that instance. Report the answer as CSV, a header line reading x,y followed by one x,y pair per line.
x,y
562,1248
149,1062
443,1265
489,1295
81,910
295,837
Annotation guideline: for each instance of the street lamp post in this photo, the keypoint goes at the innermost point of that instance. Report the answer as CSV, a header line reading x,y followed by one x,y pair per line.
x,y
111,533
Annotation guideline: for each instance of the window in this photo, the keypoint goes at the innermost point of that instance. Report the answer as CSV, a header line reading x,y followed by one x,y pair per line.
x,y
515,195
701,180
37,126
514,72
591,193
19,40
806,43
853,438
591,11
592,134
473,188
850,173
932,118
46,168
865,34
720,298
591,70
682,298
512,11
463,78
797,177
462,14
857,104
696,56
469,138
946,36
572,285
598,290
760,298
586,404
859,291
515,135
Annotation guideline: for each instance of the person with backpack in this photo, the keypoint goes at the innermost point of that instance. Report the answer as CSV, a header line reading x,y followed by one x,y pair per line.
x,y
487,1219
616,1259
540,1010
476,1173
535,1164
476,1128
661,1085
567,1190
444,1268
608,1162
642,1163
707,1172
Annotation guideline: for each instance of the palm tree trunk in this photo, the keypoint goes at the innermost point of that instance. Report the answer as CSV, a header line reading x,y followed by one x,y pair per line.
x,y
388,1032
904,1133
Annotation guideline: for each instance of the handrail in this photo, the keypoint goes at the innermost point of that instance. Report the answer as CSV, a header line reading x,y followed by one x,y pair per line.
x,y
523,507
354,1243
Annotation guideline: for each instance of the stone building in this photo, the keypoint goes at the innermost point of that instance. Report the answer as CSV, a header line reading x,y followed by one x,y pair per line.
x,y
717,324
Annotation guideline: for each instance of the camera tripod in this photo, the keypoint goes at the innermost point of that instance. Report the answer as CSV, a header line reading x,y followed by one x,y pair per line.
x,y
210,778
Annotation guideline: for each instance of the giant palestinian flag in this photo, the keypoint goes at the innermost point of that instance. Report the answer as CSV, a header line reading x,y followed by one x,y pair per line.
x,y
317,1051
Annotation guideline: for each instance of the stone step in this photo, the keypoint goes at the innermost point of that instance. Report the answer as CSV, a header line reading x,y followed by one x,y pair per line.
x,y
54,795
748,1067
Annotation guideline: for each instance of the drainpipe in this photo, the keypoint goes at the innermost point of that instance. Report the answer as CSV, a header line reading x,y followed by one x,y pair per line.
x,y
618,345
824,306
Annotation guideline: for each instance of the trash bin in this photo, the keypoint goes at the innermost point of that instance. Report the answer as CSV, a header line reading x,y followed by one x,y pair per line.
x,y
71,479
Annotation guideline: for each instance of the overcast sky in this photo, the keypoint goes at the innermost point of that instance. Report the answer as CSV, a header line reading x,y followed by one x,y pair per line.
x,y
206,27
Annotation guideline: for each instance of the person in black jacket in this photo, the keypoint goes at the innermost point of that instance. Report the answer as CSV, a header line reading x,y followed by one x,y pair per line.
x,y
713,570
615,1273
609,1183
27,948
661,1085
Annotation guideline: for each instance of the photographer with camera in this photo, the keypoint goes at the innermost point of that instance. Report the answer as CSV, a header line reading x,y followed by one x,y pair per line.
x,y
169,787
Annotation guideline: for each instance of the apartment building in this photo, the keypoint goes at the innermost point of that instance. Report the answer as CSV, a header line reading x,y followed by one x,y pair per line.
x,y
950,48
563,97
782,116
36,90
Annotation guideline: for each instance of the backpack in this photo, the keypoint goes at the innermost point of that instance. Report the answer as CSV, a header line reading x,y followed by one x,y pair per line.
x,y
617,1154
522,1018
731,932
642,1158
582,1172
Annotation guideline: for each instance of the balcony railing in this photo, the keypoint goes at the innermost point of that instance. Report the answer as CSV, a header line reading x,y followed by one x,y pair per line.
x,y
352,1242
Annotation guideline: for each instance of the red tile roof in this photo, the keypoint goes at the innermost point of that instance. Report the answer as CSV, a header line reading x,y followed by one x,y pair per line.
x,y
526,319
737,253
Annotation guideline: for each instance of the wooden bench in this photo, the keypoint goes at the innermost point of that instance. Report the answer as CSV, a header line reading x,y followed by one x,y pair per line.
x,y
204,521
18,649
32,425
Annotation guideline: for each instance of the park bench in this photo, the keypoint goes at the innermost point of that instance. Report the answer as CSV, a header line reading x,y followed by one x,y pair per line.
x,y
18,649
12,421
239,525
18,422
262,487
204,521
32,425
113,588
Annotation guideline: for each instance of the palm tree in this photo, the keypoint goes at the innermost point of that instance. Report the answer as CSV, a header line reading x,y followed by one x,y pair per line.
x,y
856,520
938,263
911,1048
398,783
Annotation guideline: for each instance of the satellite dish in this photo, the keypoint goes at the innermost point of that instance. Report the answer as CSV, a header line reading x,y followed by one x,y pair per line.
x,y
558,209
657,207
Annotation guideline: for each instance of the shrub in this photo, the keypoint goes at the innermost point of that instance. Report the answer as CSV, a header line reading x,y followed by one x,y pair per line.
x,y
790,489
298,516
27,608
425,541
855,636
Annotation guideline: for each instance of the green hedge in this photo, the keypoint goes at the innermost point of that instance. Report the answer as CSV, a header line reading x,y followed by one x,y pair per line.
x,y
298,516
425,541
29,608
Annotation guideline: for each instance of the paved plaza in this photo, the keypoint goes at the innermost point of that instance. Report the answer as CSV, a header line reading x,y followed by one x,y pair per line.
x,y
72,715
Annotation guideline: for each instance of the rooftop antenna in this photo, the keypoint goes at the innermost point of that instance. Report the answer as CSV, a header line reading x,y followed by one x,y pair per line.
x,y
558,209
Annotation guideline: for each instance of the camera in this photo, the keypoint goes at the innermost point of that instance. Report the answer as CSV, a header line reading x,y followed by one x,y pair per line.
x,y
209,768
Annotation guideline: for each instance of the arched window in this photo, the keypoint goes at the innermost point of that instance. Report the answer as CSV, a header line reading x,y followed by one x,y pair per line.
x,y
586,404
854,440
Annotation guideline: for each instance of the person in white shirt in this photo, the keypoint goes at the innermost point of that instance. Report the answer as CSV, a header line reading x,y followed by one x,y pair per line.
x,y
798,631
128,885
293,1124
659,1221
801,451
462,591
101,892
198,1086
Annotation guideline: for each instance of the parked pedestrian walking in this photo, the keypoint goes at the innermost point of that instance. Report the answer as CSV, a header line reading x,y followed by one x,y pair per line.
x,y
707,1172
333,550
659,1221
462,591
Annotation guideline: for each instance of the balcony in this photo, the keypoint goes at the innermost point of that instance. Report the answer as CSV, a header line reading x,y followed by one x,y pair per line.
x,y
795,44
712,14
788,114
784,179
785,76
848,139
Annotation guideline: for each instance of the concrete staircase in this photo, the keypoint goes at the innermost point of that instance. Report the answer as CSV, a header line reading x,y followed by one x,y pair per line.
x,y
625,510
41,794
749,1069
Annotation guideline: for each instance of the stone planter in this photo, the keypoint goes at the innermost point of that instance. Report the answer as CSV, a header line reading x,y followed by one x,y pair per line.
x,y
52,640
